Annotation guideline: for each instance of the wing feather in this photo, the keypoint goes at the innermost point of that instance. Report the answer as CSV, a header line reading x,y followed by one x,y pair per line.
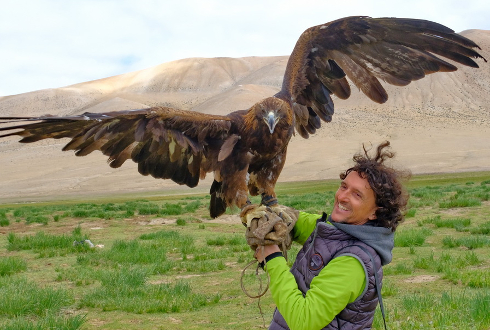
x,y
362,77
395,50
301,113
166,143
118,159
140,153
227,147
88,146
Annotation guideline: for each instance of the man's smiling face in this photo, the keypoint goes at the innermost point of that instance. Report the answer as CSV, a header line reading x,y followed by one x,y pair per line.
x,y
355,202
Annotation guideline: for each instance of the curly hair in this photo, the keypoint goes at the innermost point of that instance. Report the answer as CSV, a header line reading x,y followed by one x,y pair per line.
x,y
391,197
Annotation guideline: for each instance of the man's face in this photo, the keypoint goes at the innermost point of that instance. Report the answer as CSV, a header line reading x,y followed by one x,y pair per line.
x,y
355,202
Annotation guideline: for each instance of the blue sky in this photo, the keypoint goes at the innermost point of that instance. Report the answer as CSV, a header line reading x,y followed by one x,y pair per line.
x,y
55,43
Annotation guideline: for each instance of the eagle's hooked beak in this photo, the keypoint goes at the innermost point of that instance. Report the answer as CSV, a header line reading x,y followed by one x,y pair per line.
x,y
271,121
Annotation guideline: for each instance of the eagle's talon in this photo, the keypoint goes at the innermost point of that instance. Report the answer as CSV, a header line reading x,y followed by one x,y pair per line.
x,y
269,200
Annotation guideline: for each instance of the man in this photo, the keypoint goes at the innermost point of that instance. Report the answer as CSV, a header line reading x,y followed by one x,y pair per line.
x,y
332,284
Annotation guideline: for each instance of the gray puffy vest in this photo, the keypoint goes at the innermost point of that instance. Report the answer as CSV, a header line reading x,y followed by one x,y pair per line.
x,y
324,244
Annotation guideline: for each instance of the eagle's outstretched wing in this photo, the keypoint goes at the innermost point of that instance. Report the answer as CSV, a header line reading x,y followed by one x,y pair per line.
x,y
395,50
166,143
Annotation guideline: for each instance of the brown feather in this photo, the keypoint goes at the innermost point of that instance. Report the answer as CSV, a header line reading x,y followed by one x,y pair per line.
x,y
118,160
362,78
227,147
302,131
339,87
301,113
141,152
117,144
174,151
194,165
88,147
74,143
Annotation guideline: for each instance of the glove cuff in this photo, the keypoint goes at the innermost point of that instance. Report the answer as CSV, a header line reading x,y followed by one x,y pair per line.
x,y
272,256
268,258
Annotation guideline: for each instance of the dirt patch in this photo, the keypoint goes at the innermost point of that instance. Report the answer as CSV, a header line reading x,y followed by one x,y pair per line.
x,y
97,322
453,212
226,219
167,280
422,279
157,222
188,276
174,320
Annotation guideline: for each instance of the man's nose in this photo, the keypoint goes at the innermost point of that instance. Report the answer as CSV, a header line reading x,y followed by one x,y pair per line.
x,y
341,195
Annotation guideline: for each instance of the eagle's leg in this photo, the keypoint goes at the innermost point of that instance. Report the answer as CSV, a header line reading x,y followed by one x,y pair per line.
x,y
268,200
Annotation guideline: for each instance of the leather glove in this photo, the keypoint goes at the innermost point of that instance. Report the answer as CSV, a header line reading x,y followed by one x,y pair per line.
x,y
269,225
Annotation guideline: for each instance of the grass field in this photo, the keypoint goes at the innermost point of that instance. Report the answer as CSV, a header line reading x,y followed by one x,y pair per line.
x,y
160,262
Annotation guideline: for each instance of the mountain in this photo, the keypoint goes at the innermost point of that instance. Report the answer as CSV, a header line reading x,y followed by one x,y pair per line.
x,y
438,124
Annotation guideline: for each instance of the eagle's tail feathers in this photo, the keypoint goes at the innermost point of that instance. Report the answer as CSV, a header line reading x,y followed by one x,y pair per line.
x,y
217,205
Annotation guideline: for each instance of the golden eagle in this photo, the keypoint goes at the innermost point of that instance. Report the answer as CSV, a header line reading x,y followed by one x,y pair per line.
x,y
246,150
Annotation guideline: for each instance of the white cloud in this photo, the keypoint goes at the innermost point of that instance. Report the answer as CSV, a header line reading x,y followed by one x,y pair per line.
x,y
52,43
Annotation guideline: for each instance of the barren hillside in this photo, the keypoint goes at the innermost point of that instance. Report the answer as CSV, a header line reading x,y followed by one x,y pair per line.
x,y
438,124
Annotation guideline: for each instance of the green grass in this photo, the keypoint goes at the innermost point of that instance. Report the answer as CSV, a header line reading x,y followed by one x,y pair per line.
x,y
126,290
26,298
398,269
472,242
186,273
447,262
460,202
133,252
448,311
4,222
25,305
410,213
473,278
45,322
409,237
55,212
48,245
456,223
12,265
450,196
483,229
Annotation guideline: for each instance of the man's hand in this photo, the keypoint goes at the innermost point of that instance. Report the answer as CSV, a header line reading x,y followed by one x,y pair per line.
x,y
263,251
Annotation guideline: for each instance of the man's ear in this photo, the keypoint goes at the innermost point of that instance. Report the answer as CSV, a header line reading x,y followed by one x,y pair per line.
x,y
373,215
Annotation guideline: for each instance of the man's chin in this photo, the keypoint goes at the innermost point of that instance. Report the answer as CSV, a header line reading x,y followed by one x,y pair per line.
x,y
338,219
341,221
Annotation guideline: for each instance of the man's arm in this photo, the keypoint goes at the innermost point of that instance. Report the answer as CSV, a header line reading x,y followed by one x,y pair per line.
x,y
304,226
337,285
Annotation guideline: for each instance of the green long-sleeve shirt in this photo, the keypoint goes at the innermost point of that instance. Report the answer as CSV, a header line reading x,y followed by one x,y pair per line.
x,y
339,283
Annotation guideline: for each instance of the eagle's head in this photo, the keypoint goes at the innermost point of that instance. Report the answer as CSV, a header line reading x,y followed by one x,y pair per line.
x,y
272,112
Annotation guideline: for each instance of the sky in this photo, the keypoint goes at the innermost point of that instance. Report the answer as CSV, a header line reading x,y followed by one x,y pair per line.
x,y
56,43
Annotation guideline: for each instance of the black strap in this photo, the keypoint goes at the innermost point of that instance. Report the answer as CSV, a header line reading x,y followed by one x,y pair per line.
x,y
377,285
272,256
